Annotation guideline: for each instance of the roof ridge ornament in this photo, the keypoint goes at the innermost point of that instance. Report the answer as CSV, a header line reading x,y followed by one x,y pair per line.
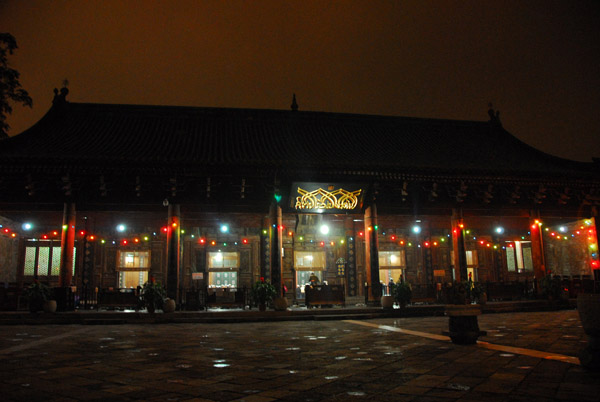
x,y
294,104
494,116
61,98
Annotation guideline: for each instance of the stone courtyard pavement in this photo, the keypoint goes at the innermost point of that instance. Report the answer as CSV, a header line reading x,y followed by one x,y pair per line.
x,y
524,357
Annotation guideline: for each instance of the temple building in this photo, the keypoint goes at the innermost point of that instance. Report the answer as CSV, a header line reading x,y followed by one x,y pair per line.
x,y
99,196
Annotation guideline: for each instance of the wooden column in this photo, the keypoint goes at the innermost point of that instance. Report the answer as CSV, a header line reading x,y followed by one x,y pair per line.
x,y
265,250
596,270
276,244
458,245
173,247
67,242
372,255
351,287
537,245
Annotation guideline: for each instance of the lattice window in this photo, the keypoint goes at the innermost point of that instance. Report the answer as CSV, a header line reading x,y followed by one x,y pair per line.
x,y
43,260
74,259
55,261
30,261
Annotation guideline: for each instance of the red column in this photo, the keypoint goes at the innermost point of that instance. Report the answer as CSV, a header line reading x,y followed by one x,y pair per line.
x,y
372,255
458,246
173,248
67,242
537,245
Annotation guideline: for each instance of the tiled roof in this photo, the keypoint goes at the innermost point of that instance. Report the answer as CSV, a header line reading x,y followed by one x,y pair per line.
x,y
185,137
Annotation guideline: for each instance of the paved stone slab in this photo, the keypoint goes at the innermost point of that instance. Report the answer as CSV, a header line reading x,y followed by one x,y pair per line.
x,y
296,361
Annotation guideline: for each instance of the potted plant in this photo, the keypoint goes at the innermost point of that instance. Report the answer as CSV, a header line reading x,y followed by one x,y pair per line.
x,y
262,293
153,295
551,287
402,293
37,294
588,306
478,293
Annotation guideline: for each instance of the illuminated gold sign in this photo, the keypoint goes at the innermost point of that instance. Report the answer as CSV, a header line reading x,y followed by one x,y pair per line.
x,y
323,199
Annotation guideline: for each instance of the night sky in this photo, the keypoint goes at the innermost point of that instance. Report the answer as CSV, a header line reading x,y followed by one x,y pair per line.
x,y
536,61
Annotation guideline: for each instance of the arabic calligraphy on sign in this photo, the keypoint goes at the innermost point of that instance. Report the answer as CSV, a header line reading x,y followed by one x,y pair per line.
x,y
323,199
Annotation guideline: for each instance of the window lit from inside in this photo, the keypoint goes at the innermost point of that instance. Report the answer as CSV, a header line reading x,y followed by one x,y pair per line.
x,y
518,257
133,267
308,264
42,259
223,269
391,265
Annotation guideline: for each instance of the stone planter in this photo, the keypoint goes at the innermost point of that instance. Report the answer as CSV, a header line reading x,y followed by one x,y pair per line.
x,y
36,305
387,302
588,306
169,306
462,324
49,306
280,304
